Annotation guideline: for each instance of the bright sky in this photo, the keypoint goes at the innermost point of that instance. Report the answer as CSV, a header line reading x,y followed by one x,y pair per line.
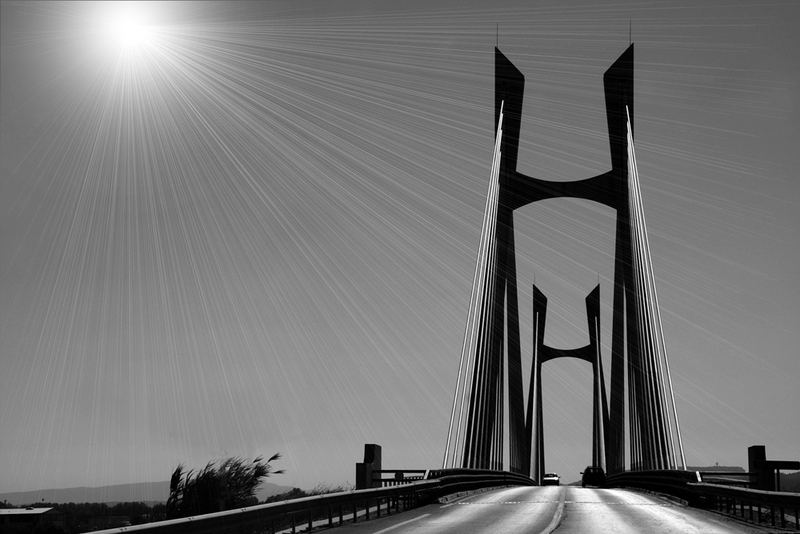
x,y
247,228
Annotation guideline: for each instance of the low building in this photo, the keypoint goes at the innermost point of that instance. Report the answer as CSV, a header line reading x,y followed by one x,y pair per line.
x,y
30,516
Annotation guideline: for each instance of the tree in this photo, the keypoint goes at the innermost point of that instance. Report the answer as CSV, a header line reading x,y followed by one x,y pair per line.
x,y
231,484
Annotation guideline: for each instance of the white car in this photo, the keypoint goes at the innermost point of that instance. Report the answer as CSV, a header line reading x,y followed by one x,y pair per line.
x,y
551,479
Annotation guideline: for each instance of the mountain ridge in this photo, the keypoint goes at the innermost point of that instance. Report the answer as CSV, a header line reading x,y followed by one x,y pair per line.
x,y
149,492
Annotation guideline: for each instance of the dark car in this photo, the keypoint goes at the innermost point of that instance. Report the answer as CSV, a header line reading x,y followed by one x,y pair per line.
x,y
551,479
593,476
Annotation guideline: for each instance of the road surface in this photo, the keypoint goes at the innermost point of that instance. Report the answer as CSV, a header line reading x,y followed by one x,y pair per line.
x,y
544,509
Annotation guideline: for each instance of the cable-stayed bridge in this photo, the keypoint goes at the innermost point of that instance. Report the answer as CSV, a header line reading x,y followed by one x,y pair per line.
x,y
490,379
494,457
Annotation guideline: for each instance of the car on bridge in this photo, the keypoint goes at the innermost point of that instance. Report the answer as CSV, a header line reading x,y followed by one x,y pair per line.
x,y
593,476
551,479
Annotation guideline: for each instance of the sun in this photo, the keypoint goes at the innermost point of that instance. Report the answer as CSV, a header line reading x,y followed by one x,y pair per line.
x,y
130,32
126,26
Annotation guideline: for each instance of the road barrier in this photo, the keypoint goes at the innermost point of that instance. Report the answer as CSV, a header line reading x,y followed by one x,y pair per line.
x,y
742,479
457,480
332,509
671,482
777,508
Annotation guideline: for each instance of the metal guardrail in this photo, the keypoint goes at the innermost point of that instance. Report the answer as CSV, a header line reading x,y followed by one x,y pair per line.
x,y
671,482
273,517
777,508
461,480
743,479
332,509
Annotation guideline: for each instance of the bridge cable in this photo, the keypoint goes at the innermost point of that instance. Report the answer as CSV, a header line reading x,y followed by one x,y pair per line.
x,y
663,367
652,421
482,273
659,365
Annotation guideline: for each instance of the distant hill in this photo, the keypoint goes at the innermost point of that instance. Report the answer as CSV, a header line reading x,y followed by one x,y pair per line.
x,y
149,492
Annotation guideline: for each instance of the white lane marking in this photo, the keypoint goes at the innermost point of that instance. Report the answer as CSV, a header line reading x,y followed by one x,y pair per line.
x,y
557,516
446,505
387,529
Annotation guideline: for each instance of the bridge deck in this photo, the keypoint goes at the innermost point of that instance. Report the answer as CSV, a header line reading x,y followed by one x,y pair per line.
x,y
542,509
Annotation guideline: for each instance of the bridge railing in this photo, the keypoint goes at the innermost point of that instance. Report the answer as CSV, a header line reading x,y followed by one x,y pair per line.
x,y
758,506
332,509
778,508
729,478
458,479
671,482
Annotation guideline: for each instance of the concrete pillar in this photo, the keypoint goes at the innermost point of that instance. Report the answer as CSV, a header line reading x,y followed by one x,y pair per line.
x,y
365,470
757,464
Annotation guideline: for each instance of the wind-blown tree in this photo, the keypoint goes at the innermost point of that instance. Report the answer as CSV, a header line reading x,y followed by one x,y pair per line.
x,y
231,484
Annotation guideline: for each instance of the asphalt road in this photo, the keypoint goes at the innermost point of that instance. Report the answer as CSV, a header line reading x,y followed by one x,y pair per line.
x,y
544,509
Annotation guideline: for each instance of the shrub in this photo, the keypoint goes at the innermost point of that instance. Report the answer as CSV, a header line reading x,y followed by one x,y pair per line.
x,y
231,484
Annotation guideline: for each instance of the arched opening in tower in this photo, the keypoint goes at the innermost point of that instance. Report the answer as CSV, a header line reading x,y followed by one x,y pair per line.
x,y
565,247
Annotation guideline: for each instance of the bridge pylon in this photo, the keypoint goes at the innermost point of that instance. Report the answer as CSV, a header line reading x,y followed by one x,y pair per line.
x,y
490,366
542,354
